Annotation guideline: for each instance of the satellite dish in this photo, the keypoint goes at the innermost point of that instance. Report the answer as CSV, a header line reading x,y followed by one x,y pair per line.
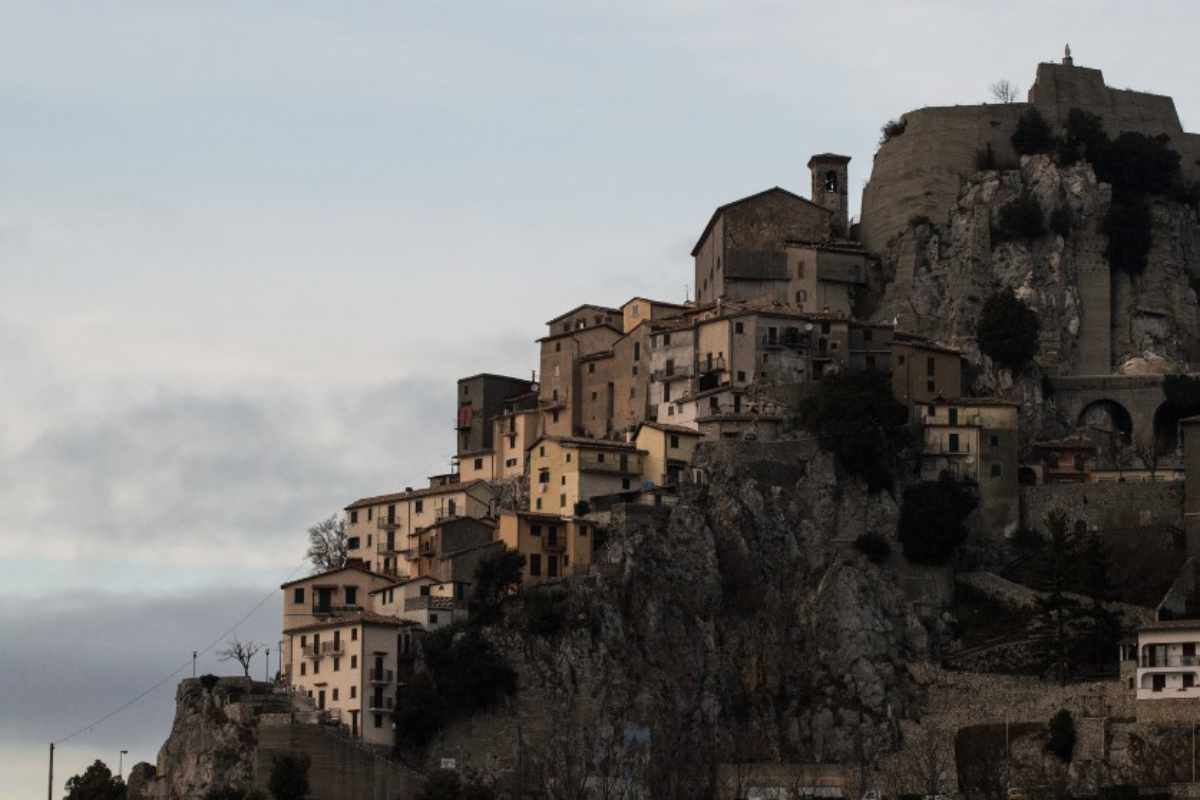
x,y
808,327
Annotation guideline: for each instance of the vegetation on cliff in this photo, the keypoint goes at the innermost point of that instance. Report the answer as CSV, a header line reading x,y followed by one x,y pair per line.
x,y
933,519
1008,331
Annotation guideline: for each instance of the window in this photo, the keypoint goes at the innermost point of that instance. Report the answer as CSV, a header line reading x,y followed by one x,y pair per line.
x,y
633,390
929,387
997,470
800,269
802,296
563,481
353,517
298,595
368,540
635,369
953,447
558,347
354,631
953,416
419,507
351,600
625,484
353,692
666,392
637,352
868,334
994,440
551,567
512,440
370,514
479,463
831,181
353,662
535,564
583,531
900,360
765,356
335,691
542,450
317,663
591,368
535,530
929,366
379,720
666,338
636,310
539,504
674,440
554,417
737,327
337,665
568,458
352,543
741,376
595,396
833,345
562,501
870,362
303,668
600,457
303,641
433,619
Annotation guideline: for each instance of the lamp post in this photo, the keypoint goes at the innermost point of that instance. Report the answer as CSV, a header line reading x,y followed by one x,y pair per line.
x,y
267,668
121,765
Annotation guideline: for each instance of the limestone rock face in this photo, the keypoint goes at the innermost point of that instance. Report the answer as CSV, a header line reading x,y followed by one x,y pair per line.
x,y
212,740
742,623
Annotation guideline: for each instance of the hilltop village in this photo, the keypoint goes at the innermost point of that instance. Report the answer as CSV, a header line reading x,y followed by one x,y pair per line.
x,y
661,450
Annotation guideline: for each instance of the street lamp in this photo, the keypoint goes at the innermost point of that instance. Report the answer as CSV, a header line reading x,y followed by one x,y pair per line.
x,y
121,765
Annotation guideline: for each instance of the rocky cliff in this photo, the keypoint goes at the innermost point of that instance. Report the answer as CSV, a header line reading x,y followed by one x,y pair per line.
x,y
741,625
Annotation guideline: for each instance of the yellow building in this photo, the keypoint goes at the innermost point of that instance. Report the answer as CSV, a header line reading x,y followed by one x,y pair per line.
x,y
476,465
567,470
668,450
350,668
560,398
377,527
424,601
553,546
642,309
514,431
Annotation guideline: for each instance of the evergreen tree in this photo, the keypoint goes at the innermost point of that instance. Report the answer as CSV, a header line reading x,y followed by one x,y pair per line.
x,y
96,783
1058,610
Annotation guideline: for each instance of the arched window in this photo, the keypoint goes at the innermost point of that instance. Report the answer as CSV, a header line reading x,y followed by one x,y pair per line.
x,y
831,181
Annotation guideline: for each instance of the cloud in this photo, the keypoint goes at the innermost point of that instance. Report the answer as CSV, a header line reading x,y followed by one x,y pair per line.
x,y
73,657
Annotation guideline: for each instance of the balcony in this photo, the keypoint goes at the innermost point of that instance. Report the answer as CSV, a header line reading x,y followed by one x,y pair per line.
x,y
1172,661
609,467
673,374
323,609
710,365
556,545
323,649
936,447
427,602
382,676
385,549
385,524
379,704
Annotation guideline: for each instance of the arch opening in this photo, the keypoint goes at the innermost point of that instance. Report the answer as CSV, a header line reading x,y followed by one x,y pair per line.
x,y
1108,417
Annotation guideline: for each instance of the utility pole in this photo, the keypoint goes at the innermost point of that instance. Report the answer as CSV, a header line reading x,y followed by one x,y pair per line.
x,y
50,786
193,663
267,668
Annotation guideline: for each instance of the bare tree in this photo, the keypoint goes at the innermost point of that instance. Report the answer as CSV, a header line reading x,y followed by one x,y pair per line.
x,y
926,763
241,652
327,544
1004,91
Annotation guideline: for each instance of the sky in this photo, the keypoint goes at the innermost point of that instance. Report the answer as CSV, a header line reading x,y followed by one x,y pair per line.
x,y
246,249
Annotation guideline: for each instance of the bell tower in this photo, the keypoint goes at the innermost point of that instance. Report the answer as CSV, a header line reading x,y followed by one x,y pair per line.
x,y
830,188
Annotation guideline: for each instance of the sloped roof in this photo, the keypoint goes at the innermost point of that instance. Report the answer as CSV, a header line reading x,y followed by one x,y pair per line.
x,y
415,493
748,199
357,618
349,567
580,308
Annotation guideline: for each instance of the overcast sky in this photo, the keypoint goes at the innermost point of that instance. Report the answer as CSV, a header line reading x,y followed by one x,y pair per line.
x,y
247,248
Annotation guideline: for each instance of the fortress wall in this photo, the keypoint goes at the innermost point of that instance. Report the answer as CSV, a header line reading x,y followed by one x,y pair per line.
x,y
920,171
1134,504
339,769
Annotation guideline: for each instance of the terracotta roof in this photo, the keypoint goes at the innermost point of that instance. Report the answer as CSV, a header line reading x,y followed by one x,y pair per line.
x,y
327,572
580,308
565,334
653,302
433,490
441,523
669,428
357,618
722,209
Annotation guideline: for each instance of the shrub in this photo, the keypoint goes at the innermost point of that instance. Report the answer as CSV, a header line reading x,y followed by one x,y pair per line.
x,y
1061,221
1138,164
471,674
984,158
1062,735
917,220
1128,226
1008,330
1033,134
496,577
874,546
891,129
1084,139
545,612
208,682
1020,218
443,784
289,777
856,417
932,519
420,712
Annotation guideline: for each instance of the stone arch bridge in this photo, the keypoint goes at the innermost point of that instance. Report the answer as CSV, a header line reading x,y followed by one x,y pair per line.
x,y
1135,406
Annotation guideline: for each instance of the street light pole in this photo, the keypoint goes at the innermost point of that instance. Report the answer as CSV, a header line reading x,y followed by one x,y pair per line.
x,y
50,787
267,668
121,765
193,663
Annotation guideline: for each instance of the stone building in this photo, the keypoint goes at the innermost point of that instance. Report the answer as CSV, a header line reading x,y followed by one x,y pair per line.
x,y
975,439
923,370
480,398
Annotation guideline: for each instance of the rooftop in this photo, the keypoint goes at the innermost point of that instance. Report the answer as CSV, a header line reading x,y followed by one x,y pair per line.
x,y
353,566
582,307
749,198
453,488
357,618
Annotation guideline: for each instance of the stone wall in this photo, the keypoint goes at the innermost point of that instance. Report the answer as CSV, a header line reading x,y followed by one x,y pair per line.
x,y
1106,505
340,769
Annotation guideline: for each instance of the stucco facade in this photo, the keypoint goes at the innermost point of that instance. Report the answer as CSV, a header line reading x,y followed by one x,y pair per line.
x,y
668,450
513,432
923,371
480,398
553,546
1168,667
564,471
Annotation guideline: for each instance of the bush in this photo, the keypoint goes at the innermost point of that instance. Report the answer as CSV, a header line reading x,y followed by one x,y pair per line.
x,y
932,519
289,777
1033,134
856,417
420,712
471,674
1128,226
208,682
985,159
545,612
891,129
496,577
1008,330
1061,221
874,546
917,220
1138,164
1062,736
1020,218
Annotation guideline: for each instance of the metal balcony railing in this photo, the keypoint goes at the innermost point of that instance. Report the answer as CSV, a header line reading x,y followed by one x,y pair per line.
x,y
330,608
382,676
1171,661
706,366
379,704
612,467
556,545
383,548
323,649
385,524
674,373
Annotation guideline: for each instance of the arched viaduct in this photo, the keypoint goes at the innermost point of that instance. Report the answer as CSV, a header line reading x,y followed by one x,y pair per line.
x,y
1134,404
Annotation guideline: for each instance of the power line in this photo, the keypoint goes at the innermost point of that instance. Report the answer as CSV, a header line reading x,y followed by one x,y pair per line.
x,y
181,667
